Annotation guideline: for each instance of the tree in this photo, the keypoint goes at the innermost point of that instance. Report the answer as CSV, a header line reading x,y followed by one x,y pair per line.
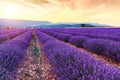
x,y
83,25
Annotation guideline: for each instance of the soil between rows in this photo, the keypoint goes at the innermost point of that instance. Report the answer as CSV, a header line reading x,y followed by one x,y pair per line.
x,y
35,65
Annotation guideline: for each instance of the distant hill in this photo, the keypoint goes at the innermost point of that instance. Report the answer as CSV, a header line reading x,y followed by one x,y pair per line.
x,y
65,25
1,26
98,25
72,25
21,23
14,23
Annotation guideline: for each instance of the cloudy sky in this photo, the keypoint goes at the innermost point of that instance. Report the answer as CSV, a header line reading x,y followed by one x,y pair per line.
x,y
99,11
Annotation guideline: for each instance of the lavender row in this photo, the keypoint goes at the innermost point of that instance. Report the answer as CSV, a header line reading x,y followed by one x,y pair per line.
x,y
108,48
100,36
11,35
90,35
60,36
112,31
12,54
104,47
6,31
3,31
41,38
72,64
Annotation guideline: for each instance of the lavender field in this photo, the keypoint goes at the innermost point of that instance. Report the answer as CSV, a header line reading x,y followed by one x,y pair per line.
x,y
60,54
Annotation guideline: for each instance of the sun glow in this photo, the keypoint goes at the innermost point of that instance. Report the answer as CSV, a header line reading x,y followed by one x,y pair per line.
x,y
10,10
96,11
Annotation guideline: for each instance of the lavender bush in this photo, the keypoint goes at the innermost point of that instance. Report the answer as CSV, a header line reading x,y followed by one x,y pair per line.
x,y
60,36
43,38
78,40
72,64
12,53
10,35
105,47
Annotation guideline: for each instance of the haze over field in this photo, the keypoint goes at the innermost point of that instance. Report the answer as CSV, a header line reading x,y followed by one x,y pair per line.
x,y
97,11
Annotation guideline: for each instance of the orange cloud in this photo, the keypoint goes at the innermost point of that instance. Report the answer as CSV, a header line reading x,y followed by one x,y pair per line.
x,y
101,11
87,4
68,3
37,2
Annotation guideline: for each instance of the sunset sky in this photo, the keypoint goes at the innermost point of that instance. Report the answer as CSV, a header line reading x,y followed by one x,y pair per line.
x,y
97,11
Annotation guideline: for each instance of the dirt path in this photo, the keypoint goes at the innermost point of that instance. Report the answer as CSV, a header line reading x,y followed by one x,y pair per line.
x,y
35,65
45,66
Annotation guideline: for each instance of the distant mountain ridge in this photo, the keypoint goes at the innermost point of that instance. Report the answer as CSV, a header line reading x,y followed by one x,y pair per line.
x,y
21,23
43,24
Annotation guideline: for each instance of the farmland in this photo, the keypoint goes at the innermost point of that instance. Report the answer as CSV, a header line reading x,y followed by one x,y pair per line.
x,y
60,54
